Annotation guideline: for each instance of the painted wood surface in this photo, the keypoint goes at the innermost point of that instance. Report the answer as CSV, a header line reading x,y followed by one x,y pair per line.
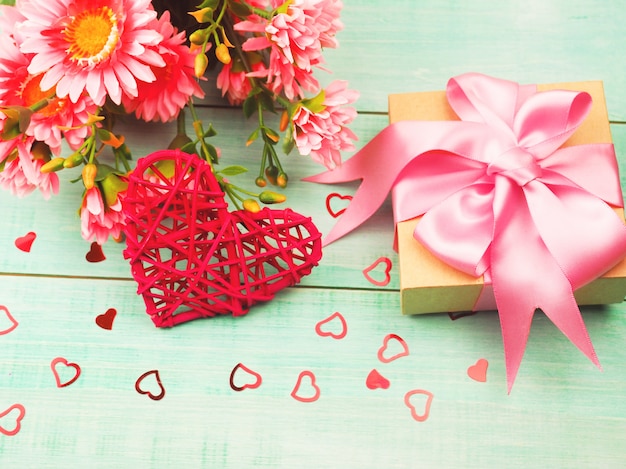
x,y
563,412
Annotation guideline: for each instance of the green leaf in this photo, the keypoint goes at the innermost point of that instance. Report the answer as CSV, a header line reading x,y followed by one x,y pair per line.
x,y
249,106
240,9
7,2
233,170
266,102
212,153
210,132
315,104
208,3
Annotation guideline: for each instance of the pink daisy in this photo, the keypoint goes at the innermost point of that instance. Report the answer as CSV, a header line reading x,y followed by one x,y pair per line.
x,y
323,135
99,46
20,88
21,173
175,83
98,222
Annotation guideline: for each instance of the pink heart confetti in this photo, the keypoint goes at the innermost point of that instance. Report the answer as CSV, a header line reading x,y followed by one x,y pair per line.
x,y
375,380
24,243
329,201
60,366
478,371
323,330
424,404
105,320
10,318
15,420
306,379
140,381
367,272
392,341
254,378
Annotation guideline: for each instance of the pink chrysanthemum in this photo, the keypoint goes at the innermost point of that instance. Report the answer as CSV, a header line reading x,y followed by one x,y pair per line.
x,y
234,82
175,83
295,39
324,134
99,46
19,88
21,173
98,222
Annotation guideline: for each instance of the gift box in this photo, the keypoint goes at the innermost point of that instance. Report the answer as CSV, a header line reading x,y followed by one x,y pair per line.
x,y
505,196
429,285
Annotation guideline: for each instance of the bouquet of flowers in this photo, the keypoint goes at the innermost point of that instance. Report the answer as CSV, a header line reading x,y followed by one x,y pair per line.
x,y
69,67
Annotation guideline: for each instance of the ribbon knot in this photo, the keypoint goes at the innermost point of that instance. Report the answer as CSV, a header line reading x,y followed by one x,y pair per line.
x,y
516,164
540,232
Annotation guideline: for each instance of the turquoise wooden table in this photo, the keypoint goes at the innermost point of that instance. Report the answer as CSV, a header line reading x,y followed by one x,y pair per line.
x,y
153,398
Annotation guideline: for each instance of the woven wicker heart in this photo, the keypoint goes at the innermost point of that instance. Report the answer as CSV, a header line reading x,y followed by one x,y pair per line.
x,y
193,258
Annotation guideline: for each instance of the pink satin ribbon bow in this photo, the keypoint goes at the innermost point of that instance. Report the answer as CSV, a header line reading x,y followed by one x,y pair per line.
x,y
500,198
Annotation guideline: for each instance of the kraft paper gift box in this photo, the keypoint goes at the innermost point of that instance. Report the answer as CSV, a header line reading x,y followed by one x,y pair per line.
x,y
427,284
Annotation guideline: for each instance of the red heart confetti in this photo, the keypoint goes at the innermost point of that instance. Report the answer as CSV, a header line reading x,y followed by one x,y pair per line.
x,y
105,320
255,382
375,380
335,213
392,341
336,333
57,370
24,243
387,269
10,318
140,390
15,420
427,400
478,371
232,260
95,253
462,314
298,389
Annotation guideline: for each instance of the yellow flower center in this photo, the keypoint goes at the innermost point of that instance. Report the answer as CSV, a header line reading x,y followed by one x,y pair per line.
x,y
31,93
92,36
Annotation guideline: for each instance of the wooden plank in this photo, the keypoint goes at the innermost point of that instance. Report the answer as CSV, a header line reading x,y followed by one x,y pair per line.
x,y
59,249
562,412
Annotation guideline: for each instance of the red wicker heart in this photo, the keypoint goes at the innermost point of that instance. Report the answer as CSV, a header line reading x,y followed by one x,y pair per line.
x,y
193,258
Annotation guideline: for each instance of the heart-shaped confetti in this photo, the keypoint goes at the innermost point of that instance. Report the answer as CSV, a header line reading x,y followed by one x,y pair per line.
x,y
329,202
65,373
251,380
95,253
143,382
192,258
334,326
13,322
11,420
105,320
306,389
375,380
374,268
24,243
394,344
419,410
478,371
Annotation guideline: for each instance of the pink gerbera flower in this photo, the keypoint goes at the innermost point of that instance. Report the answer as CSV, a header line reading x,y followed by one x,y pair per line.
x,y
323,134
98,221
21,173
175,83
99,46
20,88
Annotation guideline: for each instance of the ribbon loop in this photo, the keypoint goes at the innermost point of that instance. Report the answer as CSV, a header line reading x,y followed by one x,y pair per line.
x,y
501,198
